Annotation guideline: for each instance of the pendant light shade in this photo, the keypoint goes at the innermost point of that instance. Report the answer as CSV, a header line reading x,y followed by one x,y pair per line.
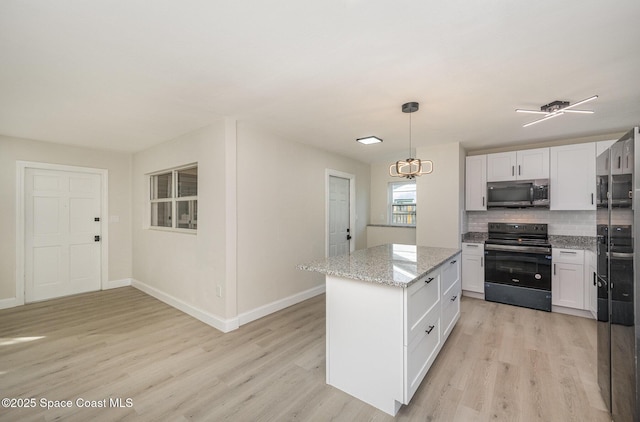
x,y
411,167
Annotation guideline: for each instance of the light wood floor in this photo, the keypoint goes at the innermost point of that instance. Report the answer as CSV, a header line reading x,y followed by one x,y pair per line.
x,y
501,363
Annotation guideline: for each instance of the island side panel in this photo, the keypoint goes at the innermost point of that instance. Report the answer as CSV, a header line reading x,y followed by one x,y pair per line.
x,y
365,341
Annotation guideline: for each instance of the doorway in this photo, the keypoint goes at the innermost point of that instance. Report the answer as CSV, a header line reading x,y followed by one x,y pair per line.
x,y
61,230
340,216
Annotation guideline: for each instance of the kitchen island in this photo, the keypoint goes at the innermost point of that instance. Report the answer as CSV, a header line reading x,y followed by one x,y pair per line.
x,y
390,309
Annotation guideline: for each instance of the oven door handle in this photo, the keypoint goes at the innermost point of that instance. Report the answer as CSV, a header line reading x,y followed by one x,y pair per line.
x,y
621,255
513,248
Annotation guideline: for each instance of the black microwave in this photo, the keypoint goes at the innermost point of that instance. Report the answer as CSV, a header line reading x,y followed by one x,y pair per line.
x,y
518,194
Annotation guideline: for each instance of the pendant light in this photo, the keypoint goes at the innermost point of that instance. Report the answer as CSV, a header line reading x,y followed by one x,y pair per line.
x,y
411,167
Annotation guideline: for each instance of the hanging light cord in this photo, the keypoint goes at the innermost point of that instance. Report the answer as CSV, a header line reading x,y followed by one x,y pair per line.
x,y
410,134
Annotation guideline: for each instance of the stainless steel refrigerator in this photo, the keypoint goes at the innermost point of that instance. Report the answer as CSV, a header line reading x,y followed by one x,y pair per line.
x,y
618,277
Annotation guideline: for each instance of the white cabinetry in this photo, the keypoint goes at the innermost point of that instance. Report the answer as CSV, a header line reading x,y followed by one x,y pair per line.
x,y
573,177
501,166
518,165
473,268
622,157
451,291
382,339
567,283
591,288
476,183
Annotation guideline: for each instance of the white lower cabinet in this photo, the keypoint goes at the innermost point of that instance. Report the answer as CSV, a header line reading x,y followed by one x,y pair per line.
x,y
440,312
473,267
380,346
568,282
591,287
422,351
450,308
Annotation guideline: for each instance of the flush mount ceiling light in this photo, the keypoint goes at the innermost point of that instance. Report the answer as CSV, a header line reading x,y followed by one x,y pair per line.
x,y
555,109
369,140
411,167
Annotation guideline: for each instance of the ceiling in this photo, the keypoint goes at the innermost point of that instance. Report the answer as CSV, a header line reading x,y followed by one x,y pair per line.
x,y
128,74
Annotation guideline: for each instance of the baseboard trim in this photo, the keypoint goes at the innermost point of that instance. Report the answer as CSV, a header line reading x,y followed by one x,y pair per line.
x,y
114,284
269,308
474,295
11,302
571,311
224,325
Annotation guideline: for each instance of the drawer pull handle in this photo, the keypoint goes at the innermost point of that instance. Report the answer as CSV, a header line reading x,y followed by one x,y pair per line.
x,y
431,327
429,280
473,245
454,298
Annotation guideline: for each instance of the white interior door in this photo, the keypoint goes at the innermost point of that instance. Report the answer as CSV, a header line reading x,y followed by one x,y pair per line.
x,y
62,220
339,218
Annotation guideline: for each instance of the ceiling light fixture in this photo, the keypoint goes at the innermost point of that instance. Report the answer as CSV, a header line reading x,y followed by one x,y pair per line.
x,y
411,167
369,140
555,109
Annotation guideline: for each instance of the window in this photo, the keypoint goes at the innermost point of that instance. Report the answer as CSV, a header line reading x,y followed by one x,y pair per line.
x,y
402,203
175,193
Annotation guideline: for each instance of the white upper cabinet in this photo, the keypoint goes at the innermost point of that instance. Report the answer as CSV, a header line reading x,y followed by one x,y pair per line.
x,y
501,166
622,157
518,165
533,164
476,183
573,177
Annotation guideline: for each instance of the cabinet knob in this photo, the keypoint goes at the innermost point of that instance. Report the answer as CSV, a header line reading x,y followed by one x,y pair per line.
x,y
454,298
454,261
431,327
429,280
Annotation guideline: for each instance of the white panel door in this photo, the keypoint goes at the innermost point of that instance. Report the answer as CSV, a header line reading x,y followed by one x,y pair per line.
x,y
62,255
339,231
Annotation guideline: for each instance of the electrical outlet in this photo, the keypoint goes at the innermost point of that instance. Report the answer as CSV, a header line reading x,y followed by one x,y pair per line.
x,y
219,290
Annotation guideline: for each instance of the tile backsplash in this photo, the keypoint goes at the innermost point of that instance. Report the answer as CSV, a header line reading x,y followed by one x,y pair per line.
x,y
568,223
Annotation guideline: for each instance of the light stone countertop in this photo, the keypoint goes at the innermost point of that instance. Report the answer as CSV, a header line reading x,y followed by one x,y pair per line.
x,y
556,241
392,264
573,242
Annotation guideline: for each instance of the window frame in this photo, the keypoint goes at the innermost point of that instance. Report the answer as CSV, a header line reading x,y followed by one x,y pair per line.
x,y
390,204
173,199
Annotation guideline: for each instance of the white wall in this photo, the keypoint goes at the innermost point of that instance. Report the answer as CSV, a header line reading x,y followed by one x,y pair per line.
x,y
378,235
441,196
380,180
119,167
281,214
181,266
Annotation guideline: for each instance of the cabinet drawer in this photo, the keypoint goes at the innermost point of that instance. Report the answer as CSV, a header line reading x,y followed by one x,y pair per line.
x,y
473,248
422,297
421,352
568,256
450,308
450,273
